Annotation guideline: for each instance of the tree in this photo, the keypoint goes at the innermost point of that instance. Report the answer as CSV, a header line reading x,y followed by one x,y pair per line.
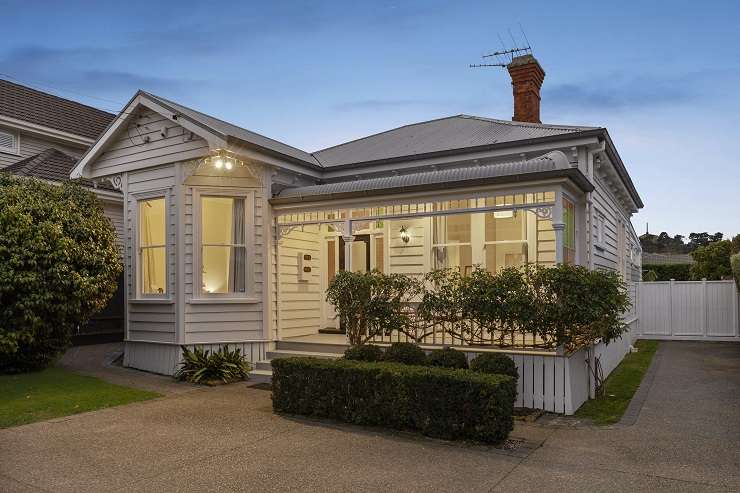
x,y
712,261
736,244
59,265
697,240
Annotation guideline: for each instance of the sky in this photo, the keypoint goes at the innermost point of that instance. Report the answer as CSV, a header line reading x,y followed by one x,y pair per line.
x,y
662,76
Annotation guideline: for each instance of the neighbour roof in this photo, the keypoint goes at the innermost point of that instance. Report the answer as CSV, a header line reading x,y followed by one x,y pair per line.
x,y
551,164
51,164
229,130
40,108
444,134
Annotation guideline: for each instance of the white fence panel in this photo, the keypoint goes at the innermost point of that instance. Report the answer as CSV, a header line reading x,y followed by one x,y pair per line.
x,y
689,310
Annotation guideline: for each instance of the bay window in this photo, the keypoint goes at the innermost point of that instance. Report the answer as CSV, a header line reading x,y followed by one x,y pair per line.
x,y
152,247
223,249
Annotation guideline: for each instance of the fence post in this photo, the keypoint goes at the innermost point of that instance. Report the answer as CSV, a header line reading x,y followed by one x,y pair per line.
x,y
670,305
592,371
704,306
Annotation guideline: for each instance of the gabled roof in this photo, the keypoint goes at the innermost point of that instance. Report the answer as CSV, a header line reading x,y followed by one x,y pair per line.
x,y
50,164
228,130
444,134
23,103
551,165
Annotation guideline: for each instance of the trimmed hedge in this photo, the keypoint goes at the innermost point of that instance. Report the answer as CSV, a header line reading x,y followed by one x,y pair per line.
x,y
448,358
666,272
407,353
438,402
494,363
364,352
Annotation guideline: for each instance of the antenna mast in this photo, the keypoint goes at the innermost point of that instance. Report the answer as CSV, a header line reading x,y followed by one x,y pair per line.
x,y
506,55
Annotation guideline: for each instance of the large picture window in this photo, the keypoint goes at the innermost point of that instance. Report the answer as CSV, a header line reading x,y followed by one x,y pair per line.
x,y
451,243
223,245
152,246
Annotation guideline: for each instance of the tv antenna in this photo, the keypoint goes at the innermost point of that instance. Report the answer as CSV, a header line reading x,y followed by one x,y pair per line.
x,y
506,55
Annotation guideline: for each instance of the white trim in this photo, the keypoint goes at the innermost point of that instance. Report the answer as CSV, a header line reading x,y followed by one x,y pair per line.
x,y
217,300
16,135
249,196
162,193
48,132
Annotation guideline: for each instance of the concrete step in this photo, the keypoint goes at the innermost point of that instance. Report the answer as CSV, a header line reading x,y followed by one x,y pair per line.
x,y
260,376
292,353
263,365
311,347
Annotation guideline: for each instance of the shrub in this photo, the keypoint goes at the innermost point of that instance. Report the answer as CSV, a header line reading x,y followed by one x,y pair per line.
x,y
364,352
202,366
407,353
59,264
495,363
735,263
438,402
712,261
448,358
370,303
650,276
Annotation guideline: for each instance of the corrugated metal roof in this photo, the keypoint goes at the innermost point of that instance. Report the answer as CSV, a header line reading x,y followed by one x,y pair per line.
x,y
551,161
444,134
50,164
23,103
229,130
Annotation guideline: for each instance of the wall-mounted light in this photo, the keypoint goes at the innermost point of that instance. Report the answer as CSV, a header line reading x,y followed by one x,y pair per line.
x,y
221,160
404,234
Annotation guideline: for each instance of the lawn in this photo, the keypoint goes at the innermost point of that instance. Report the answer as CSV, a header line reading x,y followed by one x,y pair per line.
x,y
51,393
620,386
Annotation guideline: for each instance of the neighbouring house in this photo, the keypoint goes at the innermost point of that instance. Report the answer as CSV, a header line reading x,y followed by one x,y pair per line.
x,y
232,237
43,136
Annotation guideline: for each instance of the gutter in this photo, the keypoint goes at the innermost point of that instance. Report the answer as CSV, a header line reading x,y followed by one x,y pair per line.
x,y
574,174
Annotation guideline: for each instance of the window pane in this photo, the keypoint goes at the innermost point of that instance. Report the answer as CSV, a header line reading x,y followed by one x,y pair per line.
x,y
222,221
152,228
505,255
379,254
506,225
452,229
459,258
224,269
569,235
153,270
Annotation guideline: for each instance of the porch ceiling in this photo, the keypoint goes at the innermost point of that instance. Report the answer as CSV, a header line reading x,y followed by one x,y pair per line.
x,y
552,165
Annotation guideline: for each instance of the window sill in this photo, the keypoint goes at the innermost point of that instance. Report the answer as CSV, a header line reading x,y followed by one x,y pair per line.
x,y
153,301
217,300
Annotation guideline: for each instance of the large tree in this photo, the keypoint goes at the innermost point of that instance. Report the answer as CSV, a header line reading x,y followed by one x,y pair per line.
x,y
712,261
58,266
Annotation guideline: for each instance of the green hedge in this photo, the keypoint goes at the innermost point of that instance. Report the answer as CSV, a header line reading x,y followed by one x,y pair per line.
x,y
438,402
666,272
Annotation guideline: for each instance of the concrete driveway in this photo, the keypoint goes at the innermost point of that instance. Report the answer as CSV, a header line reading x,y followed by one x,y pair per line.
x,y
686,438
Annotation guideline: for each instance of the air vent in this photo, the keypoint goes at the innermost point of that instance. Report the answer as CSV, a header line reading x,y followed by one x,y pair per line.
x,y
8,142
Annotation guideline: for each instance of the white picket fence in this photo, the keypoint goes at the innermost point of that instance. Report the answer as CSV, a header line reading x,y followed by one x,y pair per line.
x,y
689,310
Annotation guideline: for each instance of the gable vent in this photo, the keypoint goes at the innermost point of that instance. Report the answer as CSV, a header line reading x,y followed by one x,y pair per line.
x,y
8,142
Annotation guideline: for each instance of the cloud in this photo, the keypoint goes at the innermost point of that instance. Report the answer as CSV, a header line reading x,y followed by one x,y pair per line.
x,y
619,92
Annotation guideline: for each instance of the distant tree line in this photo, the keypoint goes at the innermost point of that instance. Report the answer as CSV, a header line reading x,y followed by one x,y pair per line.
x,y
665,243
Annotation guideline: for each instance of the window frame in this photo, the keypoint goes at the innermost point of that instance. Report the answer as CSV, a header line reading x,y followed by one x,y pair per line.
x,y
138,271
15,151
199,295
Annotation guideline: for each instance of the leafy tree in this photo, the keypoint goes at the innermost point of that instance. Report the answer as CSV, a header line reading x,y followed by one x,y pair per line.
x,y
58,266
735,244
697,240
735,264
712,261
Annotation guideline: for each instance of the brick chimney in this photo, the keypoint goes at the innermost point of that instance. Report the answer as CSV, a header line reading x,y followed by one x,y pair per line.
x,y
526,79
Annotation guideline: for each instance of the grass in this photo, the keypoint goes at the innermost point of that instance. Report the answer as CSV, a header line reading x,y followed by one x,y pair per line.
x,y
620,386
51,393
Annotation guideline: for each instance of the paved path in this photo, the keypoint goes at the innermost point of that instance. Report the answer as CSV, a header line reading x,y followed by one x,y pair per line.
x,y
686,438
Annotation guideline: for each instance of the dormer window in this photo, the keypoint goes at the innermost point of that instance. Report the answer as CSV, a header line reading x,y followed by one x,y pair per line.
x,y
9,141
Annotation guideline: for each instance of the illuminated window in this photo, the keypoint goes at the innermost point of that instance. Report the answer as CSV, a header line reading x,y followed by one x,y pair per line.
x,y
506,238
451,247
223,245
152,246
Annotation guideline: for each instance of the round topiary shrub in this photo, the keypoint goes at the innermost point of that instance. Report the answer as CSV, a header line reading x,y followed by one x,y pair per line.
x,y
364,352
407,353
494,363
59,264
448,358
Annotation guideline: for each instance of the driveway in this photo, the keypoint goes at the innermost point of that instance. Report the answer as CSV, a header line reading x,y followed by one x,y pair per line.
x,y
686,437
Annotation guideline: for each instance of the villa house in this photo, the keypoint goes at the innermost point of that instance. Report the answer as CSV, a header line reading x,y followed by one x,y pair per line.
x,y
232,237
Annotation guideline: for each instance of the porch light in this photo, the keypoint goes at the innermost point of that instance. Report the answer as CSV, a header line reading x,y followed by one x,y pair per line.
x,y
404,233
218,163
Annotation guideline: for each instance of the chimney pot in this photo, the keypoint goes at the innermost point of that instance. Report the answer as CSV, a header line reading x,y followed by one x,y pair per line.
x,y
526,80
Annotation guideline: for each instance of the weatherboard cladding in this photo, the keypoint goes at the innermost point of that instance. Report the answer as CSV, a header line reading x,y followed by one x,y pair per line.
x,y
549,162
30,105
